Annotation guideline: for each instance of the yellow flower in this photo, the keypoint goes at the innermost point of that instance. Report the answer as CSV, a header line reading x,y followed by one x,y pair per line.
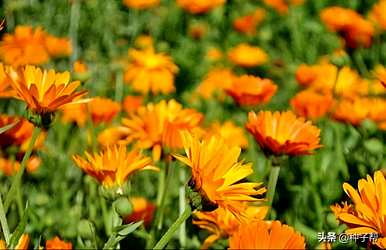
x,y
158,125
44,91
5,84
199,6
79,67
144,42
58,46
368,213
232,135
103,109
113,165
76,113
141,4
214,54
247,56
216,82
217,174
151,72
377,14
113,135
380,74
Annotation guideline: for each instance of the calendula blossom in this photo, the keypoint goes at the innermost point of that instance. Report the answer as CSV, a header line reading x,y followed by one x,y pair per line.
x,y
377,14
215,83
6,89
22,244
57,243
141,4
232,134
248,24
143,209
199,6
282,6
103,109
311,104
247,56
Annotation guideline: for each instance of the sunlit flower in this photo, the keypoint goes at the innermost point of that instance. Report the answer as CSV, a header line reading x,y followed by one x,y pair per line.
x,y
216,81
44,91
158,125
76,113
6,89
311,104
310,75
79,67
142,210
113,165
221,223
199,6
247,24
356,30
58,46
367,215
103,109
217,174
266,235
113,135
141,4
250,90
57,243
378,14
214,54
338,209
151,72
282,6
25,46
132,103
247,56
232,135
283,133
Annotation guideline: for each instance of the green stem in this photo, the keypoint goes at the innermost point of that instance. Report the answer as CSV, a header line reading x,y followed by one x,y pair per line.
x,y
4,223
19,174
182,206
119,86
105,216
160,217
171,231
74,25
273,176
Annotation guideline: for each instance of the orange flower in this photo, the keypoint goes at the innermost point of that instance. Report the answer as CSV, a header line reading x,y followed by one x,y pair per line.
x,y
5,84
113,165
281,6
232,135
247,56
250,90
367,215
113,135
339,209
144,42
10,167
132,103
214,54
76,113
320,74
221,223
283,133
22,244
18,134
141,4
378,14
199,6
58,46
149,71
216,82
26,46
57,243
142,210
44,91
103,109
159,125
356,30
380,74
266,235
311,104
247,24
217,174
79,67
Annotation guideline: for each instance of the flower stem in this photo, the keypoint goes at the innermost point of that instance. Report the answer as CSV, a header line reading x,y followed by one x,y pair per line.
x,y
182,206
171,231
4,223
273,176
19,174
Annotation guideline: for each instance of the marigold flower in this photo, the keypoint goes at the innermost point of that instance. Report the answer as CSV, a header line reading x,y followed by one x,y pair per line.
x,y
282,6
113,135
58,46
22,244
76,113
247,24
247,56
377,14
199,6
380,74
158,125
79,67
103,109
250,90
113,165
221,223
311,104
44,91
232,135
344,208
132,103
57,243
144,42
367,213
310,75
5,84
214,54
141,4
142,210
151,72
266,235
283,133
10,167
217,174
216,81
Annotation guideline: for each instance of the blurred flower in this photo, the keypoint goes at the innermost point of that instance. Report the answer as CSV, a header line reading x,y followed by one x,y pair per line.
x,y
251,90
199,6
151,72
281,6
216,81
311,104
131,103
79,67
22,244
57,243
283,133
113,135
221,223
144,42
377,14
380,74
76,113
367,215
266,235
247,56
158,125
141,4
6,89
214,54
103,110
10,166
58,46
142,210
113,165
217,175
232,135
247,24
356,30
198,30
44,91
309,75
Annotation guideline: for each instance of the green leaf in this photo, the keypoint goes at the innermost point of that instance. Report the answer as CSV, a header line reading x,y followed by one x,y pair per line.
x,y
120,233
19,229
8,127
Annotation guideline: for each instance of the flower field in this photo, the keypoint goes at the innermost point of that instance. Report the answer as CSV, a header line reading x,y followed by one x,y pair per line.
x,y
193,124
